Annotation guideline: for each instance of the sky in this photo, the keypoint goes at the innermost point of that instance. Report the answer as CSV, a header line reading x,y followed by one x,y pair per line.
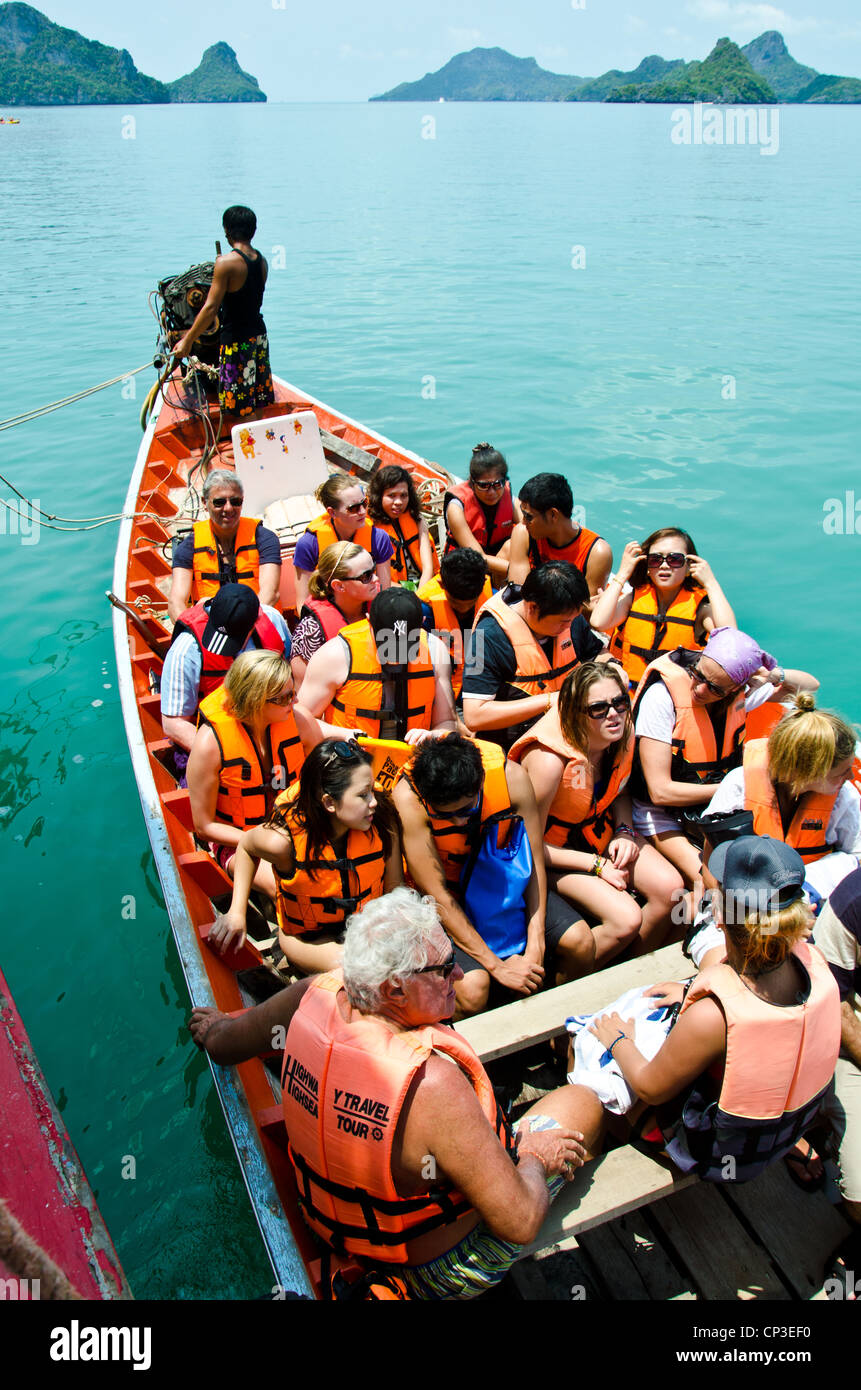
x,y
338,50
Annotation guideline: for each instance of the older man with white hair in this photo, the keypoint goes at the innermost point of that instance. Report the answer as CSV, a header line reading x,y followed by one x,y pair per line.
x,y
224,547
401,1157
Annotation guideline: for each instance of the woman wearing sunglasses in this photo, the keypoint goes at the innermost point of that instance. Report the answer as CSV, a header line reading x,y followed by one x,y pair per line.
x,y
394,506
339,592
481,514
333,844
249,746
578,757
673,601
690,717
346,519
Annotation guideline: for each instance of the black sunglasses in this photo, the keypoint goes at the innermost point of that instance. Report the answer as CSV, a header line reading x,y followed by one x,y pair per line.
x,y
355,507
446,968
490,486
674,558
219,502
345,751
621,704
364,578
696,675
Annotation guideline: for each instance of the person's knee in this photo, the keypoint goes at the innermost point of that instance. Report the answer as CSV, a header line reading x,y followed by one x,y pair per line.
x,y
574,952
625,920
472,993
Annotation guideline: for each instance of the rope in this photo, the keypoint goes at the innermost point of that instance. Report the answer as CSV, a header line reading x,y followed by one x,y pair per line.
x,y
27,1260
69,400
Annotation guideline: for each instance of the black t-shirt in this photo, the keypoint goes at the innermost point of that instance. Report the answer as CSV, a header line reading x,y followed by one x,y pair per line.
x,y
491,665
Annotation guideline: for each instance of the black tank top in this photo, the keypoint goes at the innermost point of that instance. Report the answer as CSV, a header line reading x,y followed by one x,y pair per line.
x,y
240,309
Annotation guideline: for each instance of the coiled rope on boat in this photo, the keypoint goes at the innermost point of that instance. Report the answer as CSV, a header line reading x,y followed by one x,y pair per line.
x,y
26,1259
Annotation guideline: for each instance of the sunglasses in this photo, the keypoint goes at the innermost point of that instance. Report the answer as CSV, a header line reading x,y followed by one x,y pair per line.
x,y
674,558
343,751
364,578
284,697
219,502
355,507
494,486
446,968
601,708
463,814
696,675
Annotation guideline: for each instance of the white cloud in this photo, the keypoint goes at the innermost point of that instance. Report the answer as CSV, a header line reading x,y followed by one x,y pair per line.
x,y
634,24
463,36
752,18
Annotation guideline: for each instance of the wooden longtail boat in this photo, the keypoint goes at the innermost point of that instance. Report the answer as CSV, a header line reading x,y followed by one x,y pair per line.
x,y
44,1187
175,442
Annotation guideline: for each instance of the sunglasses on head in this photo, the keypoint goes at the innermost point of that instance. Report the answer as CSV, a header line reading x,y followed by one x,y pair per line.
x,y
490,486
446,968
219,502
601,708
345,751
696,675
674,558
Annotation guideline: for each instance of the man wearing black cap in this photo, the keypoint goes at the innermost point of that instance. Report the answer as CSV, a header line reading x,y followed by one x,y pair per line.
x,y
383,676
206,640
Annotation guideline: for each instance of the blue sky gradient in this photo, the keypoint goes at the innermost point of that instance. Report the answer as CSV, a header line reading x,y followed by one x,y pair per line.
x,y
338,50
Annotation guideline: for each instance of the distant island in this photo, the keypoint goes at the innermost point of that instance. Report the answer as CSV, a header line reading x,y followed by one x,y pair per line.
x,y
43,64
761,71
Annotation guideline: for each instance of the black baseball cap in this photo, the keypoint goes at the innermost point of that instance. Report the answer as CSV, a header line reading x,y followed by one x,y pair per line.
x,y
233,611
759,868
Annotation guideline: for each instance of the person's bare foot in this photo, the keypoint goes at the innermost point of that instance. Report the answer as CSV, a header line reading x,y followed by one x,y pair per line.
x,y
805,1167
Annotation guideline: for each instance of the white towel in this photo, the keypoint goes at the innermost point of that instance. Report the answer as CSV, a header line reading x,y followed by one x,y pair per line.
x,y
593,1065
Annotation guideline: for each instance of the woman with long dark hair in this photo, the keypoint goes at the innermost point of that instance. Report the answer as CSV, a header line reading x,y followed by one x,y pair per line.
x,y
333,843
663,596
578,757
394,506
481,514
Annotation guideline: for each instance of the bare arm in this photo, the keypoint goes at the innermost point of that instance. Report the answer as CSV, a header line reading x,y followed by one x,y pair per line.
x,y
697,1040
260,842
302,579
609,609
545,770
850,1032
518,555
656,760
598,566
179,597
204,764
256,1031
384,574
181,731
717,611
326,673
480,712
455,520
443,714
269,581
209,310
524,803
426,554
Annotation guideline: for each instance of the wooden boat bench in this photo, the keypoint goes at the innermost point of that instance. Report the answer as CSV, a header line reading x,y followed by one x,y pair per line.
x,y
623,1179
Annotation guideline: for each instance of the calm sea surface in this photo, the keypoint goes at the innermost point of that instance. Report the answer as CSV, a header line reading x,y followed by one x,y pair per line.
x,y
696,364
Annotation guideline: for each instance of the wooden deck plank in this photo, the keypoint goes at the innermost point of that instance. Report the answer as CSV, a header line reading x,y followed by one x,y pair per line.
x,y
646,1270
514,1026
723,1259
798,1229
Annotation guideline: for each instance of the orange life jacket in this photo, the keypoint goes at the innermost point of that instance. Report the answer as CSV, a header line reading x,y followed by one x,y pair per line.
x,y
503,521
453,843
328,616
358,703
214,667
206,579
576,552
447,625
344,1086
779,1063
405,535
695,756
245,792
534,674
322,893
644,634
576,819
806,833
323,528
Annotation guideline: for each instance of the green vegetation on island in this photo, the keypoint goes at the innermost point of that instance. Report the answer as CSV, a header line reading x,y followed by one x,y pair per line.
x,y
761,71
43,64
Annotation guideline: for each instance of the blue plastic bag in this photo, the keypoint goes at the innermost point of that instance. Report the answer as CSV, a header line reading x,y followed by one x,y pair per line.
x,y
494,882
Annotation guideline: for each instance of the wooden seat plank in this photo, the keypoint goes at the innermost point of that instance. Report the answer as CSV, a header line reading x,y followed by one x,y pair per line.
x,y
723,1259
629,1250
542,1016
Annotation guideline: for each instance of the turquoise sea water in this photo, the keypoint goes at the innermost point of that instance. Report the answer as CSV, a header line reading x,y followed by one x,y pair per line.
x,y
700,368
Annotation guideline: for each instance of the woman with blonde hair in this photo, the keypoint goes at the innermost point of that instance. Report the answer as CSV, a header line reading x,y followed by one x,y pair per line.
x,y
333,843
578,757
249,747
339,592
345,519
749,1059
798,784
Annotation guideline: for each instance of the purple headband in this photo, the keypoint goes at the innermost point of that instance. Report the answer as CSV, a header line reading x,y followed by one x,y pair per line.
x,y
737,653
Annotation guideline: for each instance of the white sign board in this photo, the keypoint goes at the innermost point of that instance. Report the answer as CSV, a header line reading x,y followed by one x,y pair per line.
x,y
278,458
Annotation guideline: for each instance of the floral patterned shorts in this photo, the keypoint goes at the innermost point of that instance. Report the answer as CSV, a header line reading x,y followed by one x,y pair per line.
x,y
244,376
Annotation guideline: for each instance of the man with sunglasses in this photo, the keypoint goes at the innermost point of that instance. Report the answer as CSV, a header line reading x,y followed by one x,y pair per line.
x,y
445,799
402,1155
225,548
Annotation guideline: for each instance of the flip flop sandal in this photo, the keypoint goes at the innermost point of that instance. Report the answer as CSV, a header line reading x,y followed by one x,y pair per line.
x,y
807,1181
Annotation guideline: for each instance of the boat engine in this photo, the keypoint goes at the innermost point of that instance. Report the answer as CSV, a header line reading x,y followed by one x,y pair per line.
x,y
181,299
